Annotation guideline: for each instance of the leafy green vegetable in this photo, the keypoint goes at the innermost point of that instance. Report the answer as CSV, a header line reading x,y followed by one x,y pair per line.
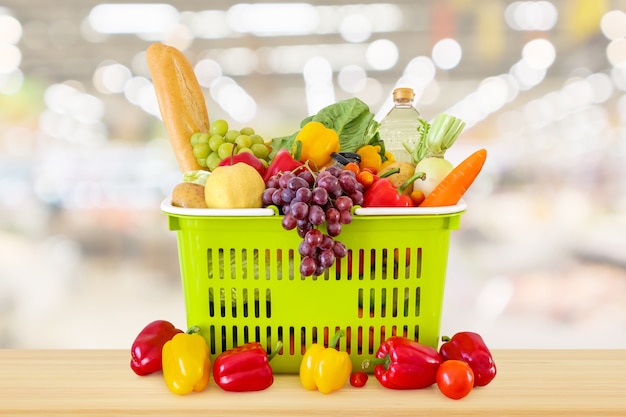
x,y
351,119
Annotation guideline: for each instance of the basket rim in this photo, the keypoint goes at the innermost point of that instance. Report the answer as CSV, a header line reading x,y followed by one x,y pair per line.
x,y
167,207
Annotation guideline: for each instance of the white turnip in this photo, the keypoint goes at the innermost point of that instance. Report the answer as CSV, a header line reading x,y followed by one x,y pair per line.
x,y
429,154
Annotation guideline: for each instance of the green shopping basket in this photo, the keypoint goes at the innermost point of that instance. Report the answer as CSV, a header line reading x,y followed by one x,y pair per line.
x,y
241,280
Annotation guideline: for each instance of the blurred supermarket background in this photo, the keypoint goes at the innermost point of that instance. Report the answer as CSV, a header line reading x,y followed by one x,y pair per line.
x,y
540,260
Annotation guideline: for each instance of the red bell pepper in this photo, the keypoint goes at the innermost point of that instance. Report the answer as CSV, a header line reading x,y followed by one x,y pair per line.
x,y
246,158
283,161
403,363
470,347
244,368
146,351
382,193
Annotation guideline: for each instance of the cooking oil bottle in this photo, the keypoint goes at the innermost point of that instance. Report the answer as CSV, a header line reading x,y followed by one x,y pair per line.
x,y
399,128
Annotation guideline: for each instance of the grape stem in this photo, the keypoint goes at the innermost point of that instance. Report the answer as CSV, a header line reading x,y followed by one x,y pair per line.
x,y
313,171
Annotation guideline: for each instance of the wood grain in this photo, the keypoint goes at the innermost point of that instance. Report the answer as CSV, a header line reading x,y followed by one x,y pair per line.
x,y
100,382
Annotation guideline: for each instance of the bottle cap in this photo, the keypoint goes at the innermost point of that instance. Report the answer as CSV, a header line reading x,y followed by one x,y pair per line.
x,y
403,93
344,158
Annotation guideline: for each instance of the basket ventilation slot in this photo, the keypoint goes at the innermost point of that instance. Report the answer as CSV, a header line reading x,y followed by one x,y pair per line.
x,y
237,302
358,340
247,264
257,303
389,302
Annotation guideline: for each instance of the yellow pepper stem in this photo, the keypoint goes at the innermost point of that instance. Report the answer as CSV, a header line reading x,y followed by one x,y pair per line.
x,y
193,330
338,335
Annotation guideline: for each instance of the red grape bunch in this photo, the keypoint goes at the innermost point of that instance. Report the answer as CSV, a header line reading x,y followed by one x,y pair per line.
x,y
309,200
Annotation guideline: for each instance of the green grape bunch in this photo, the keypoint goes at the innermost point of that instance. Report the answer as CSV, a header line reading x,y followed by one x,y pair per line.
x,y
221,141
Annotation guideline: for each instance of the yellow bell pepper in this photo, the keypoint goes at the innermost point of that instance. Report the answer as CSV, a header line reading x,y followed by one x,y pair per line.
x,y
317,143
325,369
370,158
186,363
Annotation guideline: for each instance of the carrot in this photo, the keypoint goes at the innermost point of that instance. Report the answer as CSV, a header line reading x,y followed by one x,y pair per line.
x,y
450,190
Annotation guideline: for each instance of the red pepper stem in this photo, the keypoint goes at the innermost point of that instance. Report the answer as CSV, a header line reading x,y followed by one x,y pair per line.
x,y
193,330
274,352
445,339
335,339
386,360
389,173
416,176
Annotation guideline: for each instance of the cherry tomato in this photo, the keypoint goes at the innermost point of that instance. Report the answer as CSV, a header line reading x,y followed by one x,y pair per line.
x,y
455,379
351,166
417,196
366,178
358,379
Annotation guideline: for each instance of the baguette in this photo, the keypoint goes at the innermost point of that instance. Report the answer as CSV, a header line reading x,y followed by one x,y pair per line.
x,y
181,101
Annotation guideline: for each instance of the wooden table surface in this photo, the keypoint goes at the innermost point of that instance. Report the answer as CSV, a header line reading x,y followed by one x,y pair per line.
x,y
100,382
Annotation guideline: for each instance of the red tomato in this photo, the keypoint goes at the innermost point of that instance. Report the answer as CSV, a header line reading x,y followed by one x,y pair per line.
x,y
358,379
455,379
